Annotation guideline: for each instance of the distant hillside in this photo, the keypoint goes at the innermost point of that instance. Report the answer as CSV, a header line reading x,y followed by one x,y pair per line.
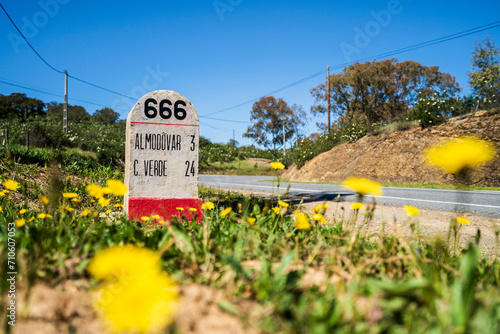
x,y
397,157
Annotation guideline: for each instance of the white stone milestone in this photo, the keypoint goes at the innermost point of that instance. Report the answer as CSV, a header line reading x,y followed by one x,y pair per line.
x,y
161,153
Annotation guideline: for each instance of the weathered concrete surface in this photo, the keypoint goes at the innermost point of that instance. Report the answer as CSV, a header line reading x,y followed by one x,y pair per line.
x,y
161,156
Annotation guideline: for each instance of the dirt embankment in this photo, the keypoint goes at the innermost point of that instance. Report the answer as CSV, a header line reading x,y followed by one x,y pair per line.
x,y
397,157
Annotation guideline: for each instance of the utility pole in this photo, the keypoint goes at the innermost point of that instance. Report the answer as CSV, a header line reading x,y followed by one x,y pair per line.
x,y
284,148
328,95
65,109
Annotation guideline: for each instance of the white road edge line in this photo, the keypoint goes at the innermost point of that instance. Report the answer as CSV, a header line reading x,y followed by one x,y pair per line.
x,y
389,197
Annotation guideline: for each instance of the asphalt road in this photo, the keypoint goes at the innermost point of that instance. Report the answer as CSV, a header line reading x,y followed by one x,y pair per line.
x,y
485,203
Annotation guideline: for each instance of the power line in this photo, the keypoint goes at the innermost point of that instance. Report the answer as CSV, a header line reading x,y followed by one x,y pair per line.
x,y
57,95
224,120
386,54
32,48
52,67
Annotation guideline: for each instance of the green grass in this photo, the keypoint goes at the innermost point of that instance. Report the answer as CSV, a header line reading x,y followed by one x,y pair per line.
x,y
238,167
369,282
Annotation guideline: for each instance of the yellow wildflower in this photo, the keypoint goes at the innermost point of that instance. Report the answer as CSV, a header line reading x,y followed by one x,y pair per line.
x,y
41,215
302,221
133,274
64,208
23,211
44,200
103,202
85,212
76,200
107,212
10,185
92,201
209,205
321,208
251,220
276,210
117,187
357,206
193,209
70,195
283,204
1,209
411,211
457,154
363,186
19,222
2,193
119,206
463,221
30,219
225,212
155,216
317,217
145,218
277,165
95,191
179,209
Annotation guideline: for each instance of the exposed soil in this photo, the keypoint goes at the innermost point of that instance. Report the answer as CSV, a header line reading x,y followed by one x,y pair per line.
x,y
397,157
66,308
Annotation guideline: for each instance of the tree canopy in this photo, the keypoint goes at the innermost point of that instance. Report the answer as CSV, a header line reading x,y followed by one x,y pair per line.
x,y
75,113
381,91
106,116
270,114
17,105
485,77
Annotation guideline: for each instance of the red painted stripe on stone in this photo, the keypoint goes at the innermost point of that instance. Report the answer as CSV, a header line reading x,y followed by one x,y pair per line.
x,y
166,208
164,124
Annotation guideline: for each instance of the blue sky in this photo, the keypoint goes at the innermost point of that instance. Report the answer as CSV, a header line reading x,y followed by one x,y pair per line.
x,y
222,53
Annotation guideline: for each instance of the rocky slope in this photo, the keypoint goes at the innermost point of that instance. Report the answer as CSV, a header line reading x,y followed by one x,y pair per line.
x,y
397,157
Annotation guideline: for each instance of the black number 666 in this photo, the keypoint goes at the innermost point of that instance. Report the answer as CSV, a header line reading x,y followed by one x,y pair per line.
x,y
165,112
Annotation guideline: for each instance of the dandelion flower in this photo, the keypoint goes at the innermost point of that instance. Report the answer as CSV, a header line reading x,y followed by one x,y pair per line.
x,y
103,202
23,211
179,209
317,217
155,216
225,212
85,212
43,215
463,221
363,186
11,185
70,195
283,204
117,187
1,209
145,218
457,154
107,212
193,209
133,275
209,205
119,206
357,206
321,208
43,199
277,165
302,221
411,211
19,222
76,201
30,219
95,191
251,220
276,210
